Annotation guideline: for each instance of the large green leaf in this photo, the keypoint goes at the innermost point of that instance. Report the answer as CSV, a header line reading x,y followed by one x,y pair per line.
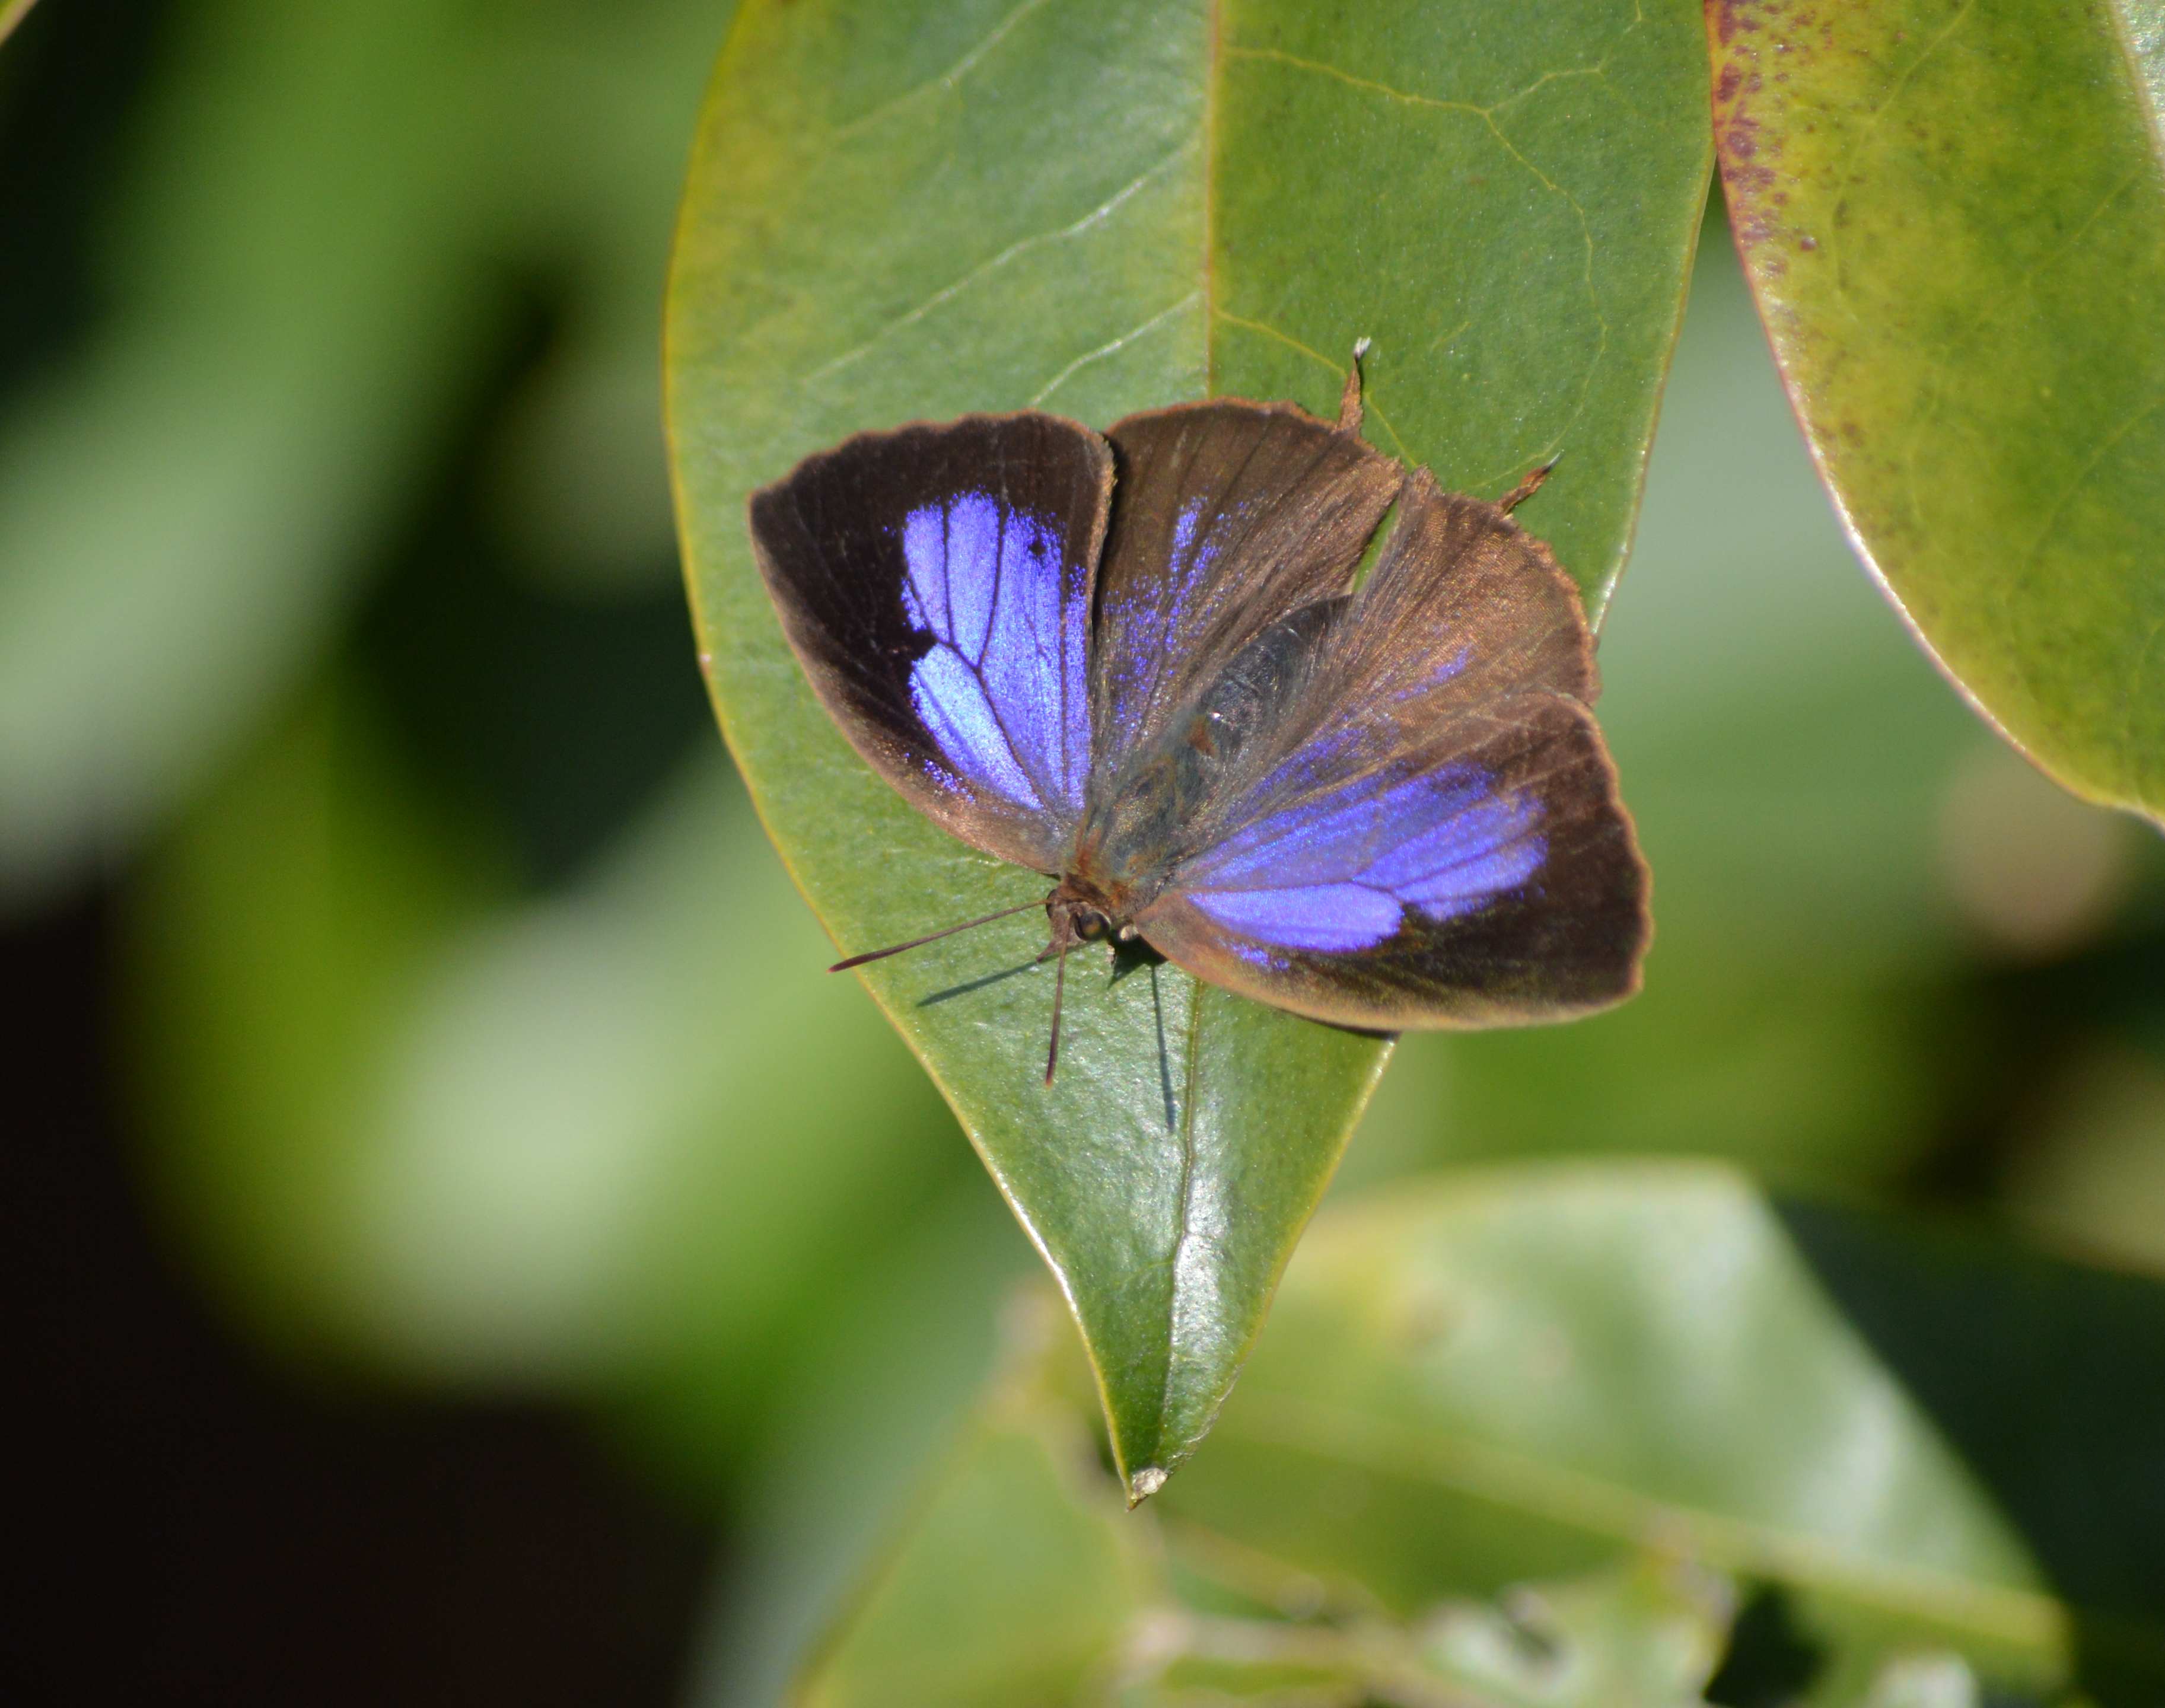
x,y
1515,1375
902,211
1953,217
1638,1389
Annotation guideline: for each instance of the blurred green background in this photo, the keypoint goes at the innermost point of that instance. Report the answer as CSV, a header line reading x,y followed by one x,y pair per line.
x,y
407,987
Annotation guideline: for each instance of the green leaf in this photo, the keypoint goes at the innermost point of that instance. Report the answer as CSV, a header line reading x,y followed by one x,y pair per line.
x,y
1526,1434
1015,1583
1646,1636
905,211
1953,217
1516,1375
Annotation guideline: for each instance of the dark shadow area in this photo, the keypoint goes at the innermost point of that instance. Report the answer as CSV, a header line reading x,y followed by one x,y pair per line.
x,y
1164,1056
2049,1378
2021,1024
1132,956
186,1525
1770,1662
69,77
559,715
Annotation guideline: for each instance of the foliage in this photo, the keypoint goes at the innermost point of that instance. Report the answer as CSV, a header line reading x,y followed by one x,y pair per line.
x,y
476,1039
1953,217
1613,1397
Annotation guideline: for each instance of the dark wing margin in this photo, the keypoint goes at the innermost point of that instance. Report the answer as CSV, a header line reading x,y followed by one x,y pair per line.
x,y
1227,517
1433,836
936,583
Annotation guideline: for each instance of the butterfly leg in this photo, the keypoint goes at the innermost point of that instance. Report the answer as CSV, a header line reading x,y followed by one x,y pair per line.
x,y
1349,400
1059,989
1526,488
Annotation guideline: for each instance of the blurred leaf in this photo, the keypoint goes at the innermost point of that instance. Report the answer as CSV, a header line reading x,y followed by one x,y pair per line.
x,y
1503,1428
1014,1584
1925,1681
1521,1374
1645,1637
900,211
565,1144
2049,1378
327,211
1953,217
1019,1580
881,1384
589,110
181,508
271,941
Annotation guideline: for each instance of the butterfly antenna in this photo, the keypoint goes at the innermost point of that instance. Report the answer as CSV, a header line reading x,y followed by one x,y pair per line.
x,y
1059,988
880,954
1526,488
1349,400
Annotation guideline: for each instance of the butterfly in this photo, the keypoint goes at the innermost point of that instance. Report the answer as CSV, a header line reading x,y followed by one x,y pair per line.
x,y
1138,663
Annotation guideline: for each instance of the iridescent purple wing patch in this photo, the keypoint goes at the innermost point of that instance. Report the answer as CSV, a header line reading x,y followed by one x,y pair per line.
x,y
1426,829
1003,690
936,583
1339,872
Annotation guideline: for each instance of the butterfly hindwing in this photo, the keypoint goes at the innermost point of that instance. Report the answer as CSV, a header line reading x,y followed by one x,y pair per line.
x,y
936,584
1428,834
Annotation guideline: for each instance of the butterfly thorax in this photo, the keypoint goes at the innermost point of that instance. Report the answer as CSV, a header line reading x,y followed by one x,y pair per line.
x,y
1158,807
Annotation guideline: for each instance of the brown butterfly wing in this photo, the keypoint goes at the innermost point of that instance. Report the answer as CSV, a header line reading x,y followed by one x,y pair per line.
x,y
1426,832
1227,516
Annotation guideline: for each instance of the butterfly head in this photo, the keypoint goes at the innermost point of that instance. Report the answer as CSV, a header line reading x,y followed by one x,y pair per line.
x,y
1080,911
1083,910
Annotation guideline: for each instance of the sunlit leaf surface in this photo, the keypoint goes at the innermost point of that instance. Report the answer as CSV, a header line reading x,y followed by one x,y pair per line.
x,y
901,212
1953,217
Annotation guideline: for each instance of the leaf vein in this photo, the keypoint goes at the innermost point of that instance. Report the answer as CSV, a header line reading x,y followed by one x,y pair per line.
x,y
1111,346
1564,1494
1487,115
945,81
1105,210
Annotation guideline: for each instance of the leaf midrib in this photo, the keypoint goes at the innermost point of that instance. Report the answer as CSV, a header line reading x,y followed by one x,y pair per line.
x,y
1214,62
1467,1464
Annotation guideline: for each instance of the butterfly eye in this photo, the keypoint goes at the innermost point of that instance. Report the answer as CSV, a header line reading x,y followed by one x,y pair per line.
x,y
1092,926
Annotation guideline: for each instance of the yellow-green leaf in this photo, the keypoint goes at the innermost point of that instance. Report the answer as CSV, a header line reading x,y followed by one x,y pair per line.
x,y
1954,217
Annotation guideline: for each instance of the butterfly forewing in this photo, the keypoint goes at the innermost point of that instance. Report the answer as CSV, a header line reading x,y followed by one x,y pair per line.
x,y
1429,834
935,582
1229,516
